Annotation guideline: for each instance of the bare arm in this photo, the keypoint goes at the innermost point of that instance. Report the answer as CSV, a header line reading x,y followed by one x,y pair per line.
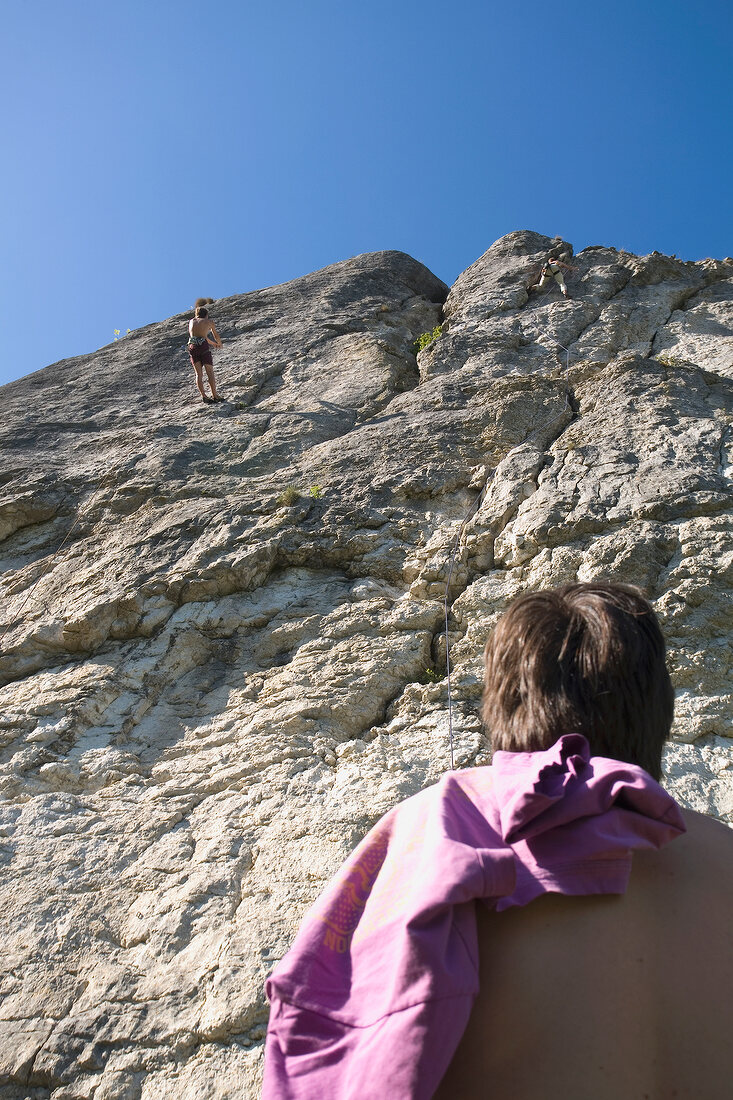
x,y
215,334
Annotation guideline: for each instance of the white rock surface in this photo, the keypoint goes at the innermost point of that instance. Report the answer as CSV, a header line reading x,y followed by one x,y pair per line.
x,y
209,696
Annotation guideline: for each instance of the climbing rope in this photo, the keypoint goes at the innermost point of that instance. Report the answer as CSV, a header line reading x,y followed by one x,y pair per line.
x,y
471,513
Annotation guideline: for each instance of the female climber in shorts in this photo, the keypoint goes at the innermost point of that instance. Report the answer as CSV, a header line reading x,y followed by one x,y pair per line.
x,y
199,350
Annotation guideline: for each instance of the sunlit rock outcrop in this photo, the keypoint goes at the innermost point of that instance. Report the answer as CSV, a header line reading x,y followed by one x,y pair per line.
x,y
222,649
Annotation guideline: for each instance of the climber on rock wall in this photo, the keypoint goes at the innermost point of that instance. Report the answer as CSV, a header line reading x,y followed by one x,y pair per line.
x,y
553,268
490,935
200,327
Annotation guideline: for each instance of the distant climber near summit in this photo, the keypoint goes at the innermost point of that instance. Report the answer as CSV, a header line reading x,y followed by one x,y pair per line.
x,y
199,350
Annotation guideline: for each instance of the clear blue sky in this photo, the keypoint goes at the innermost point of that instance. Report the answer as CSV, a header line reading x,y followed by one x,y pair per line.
x,y
157,151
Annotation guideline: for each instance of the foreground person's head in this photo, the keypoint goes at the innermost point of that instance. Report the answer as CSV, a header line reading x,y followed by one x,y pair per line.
x,y
586,658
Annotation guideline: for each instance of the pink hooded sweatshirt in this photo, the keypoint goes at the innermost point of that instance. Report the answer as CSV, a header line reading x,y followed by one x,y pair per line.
x,y
371,1001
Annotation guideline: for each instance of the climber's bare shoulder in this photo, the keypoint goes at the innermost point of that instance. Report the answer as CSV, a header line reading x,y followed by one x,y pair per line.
x,y
610,996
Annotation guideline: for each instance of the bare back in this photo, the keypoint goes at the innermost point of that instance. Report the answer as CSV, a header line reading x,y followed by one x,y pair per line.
x,y
200,326
610,997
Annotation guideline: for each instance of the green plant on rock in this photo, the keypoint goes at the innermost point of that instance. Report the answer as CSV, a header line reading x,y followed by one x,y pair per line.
x,y
289,496
670,360
426,338
117,333
430,676
316,492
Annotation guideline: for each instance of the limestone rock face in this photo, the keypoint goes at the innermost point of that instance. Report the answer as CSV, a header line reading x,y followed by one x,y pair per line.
x,y
222,652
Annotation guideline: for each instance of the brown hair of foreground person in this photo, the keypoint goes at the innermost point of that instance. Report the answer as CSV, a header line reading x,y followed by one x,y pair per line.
x,y
586,658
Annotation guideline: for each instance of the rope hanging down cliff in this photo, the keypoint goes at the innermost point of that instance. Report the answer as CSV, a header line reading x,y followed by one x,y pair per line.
x,y
472,512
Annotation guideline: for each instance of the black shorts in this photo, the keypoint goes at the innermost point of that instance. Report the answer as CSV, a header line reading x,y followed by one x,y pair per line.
x,y
200,353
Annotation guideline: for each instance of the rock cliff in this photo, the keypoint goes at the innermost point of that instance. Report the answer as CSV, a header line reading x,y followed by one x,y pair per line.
x,y
222,652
